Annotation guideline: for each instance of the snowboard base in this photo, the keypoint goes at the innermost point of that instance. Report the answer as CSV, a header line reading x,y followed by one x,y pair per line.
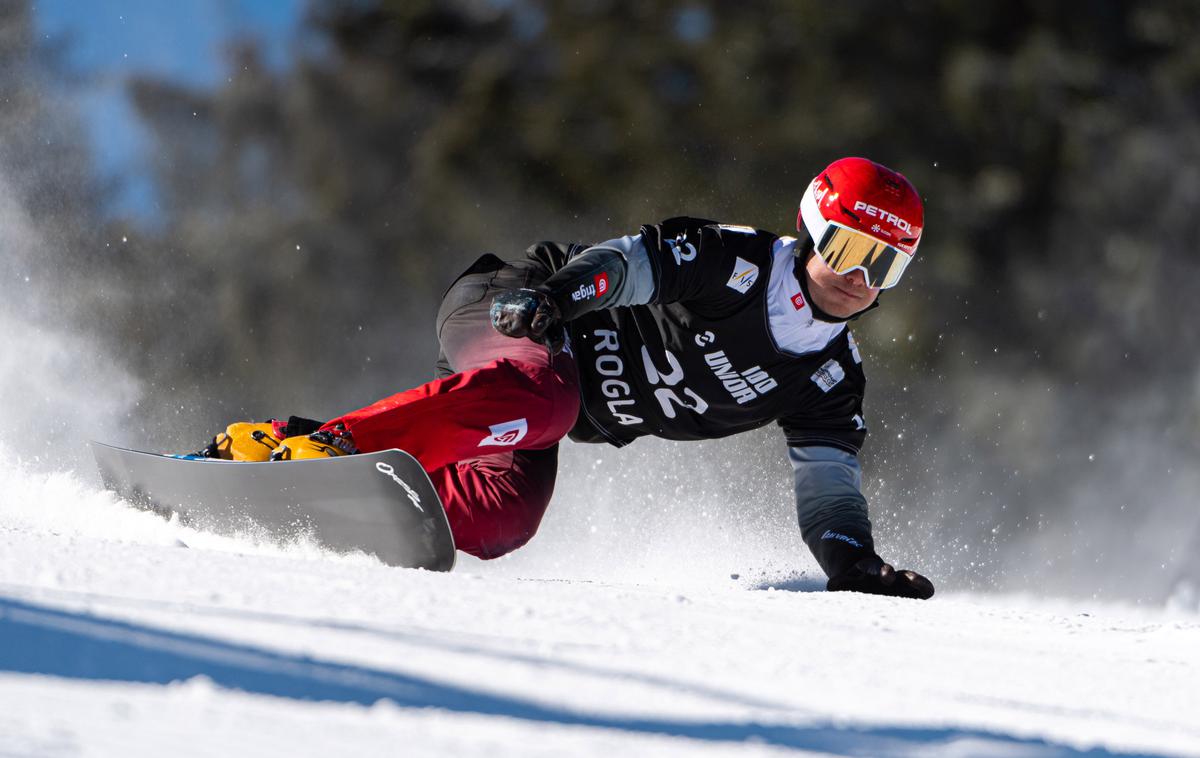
x,y
380,503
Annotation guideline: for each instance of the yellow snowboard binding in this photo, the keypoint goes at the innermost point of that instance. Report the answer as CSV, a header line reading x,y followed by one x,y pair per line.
x,y
252,441
305,446
325,443
243,441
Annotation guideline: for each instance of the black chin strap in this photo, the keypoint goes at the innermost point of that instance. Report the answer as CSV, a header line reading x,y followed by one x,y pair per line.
x,y
804,250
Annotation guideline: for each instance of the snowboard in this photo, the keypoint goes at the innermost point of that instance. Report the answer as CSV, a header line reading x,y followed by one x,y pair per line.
x,y
381,503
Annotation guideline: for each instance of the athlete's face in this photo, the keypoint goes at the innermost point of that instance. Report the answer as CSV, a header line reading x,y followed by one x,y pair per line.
x,y
836,294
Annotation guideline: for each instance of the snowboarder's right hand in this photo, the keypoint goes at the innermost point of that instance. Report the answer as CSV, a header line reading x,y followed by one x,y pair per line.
x,y
528,313
874,576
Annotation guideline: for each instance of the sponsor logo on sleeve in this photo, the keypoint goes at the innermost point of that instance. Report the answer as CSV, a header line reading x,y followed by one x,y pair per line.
x,y
798,301
832,535
508,433
598,288
828,376
745,274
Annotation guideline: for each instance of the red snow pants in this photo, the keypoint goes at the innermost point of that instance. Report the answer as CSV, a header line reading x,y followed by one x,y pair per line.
x,y
487,429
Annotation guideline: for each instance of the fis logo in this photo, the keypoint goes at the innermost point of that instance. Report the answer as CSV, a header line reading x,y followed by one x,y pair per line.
x,y
506,434
883,215
798,301
598,288
745,274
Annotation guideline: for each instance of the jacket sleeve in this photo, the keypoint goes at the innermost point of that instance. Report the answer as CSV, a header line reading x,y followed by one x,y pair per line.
x,y
679,260
608,275
830,507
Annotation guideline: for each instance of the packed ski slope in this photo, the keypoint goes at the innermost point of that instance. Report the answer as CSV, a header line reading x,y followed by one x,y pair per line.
x,y
124,634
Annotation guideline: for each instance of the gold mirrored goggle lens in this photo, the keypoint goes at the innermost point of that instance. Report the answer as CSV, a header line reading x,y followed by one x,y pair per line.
x,y
844,250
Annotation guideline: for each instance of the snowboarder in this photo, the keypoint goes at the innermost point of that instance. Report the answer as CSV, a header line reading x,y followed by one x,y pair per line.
x,y
687,329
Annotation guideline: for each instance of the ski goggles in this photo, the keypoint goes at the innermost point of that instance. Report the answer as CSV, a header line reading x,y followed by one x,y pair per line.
x,y
844,249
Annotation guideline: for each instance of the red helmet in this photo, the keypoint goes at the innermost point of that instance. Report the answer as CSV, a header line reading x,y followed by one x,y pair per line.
x,y
863,215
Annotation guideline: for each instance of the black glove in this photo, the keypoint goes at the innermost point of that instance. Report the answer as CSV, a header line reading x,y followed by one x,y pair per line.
x,y
873,576
529,313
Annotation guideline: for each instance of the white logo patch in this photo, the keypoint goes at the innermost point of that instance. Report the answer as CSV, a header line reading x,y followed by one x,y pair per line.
x,y
508,433
828,376
745,274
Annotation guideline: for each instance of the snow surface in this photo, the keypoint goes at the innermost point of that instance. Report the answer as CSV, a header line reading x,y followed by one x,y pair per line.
x,y
125,634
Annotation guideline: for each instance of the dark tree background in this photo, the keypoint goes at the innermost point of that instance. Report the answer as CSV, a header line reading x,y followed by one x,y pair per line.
x,y
1036,372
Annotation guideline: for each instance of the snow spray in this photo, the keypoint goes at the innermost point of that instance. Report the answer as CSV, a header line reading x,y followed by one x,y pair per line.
x,y
57,388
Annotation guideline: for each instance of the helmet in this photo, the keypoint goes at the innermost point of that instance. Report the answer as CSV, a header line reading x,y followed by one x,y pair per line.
x,y
862,215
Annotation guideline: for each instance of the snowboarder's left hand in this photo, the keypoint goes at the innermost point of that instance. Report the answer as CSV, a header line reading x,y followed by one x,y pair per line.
x,y
874,576
528,313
